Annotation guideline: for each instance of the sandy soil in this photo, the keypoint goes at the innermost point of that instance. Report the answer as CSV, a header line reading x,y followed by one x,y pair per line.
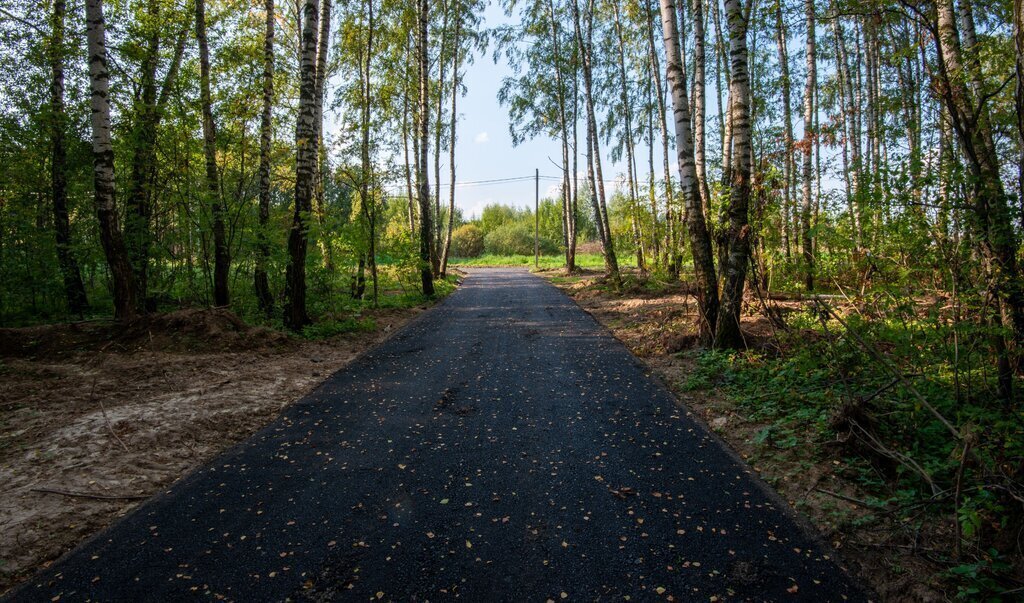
x,y
95,418
657,326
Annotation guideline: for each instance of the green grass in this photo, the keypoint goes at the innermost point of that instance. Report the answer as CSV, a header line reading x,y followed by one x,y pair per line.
x,y
547,262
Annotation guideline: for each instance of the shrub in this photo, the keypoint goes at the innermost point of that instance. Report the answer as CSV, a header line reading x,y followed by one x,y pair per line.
x,y
467,241
515,239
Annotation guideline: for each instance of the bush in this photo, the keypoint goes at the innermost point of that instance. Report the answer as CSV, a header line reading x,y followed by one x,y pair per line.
x,y
467,241
515,239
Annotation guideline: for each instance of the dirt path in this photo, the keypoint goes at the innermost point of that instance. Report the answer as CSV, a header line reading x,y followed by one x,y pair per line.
x,y
503,447
120,415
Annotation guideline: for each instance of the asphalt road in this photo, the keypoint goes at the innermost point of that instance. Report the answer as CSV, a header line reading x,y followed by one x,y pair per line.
x,y
502,447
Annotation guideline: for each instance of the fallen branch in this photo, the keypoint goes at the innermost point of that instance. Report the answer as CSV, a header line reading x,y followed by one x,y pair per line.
x,y
87,495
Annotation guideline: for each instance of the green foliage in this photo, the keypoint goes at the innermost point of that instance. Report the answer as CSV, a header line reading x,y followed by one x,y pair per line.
x,y
496,215
515,239
802,391
467,241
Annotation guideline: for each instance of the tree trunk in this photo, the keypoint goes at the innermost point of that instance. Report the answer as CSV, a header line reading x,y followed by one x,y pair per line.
x,y
568,219
74,289
306,144
652,195
653,89
138,207
138,210
808,147
671,247
103,164
1018,38
788,167
320,174
221,261
410,209
721,69
849,135
727,334
700,239
435,249
451,139
992,230
260,281
367,179
594,151
699,120
627,116
426,229
725,120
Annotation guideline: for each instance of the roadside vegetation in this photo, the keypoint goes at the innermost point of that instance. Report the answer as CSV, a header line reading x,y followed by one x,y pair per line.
x,y
873,415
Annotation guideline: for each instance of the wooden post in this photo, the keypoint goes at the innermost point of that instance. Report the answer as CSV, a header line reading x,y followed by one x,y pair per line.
x,y
536,218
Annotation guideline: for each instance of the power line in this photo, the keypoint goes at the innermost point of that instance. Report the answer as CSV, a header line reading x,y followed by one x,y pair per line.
x,y
509,180
498,181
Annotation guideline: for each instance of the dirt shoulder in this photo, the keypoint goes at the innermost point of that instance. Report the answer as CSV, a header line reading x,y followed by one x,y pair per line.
x,y
659,328
95,418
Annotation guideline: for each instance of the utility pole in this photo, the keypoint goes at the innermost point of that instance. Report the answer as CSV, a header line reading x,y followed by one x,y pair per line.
x,y
536,218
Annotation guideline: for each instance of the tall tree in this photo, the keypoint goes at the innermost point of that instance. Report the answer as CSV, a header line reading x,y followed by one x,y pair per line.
x,y
306,146
149,113
737,236
671,248
442,51
221,259
851,144
456,48
788,167
367,179
74,289
627,136
320,172
992,230
699,103
103,164
808,147
594,172
423,161
261,282
568,215
1018,43
700,239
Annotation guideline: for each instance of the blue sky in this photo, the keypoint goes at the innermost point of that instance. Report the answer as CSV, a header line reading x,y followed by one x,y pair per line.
x,y
484,148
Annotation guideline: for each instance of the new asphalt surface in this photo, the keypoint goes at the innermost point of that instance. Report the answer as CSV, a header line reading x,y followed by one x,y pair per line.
x,y
504,446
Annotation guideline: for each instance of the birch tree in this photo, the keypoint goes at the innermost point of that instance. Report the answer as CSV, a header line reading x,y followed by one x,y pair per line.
x,y
103,164
306,144
700,239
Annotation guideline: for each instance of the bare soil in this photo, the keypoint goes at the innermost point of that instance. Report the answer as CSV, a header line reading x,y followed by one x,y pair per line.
x,y
656,327
96,417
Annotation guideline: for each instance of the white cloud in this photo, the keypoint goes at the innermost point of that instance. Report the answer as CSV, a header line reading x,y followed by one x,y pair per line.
x,y
482,137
